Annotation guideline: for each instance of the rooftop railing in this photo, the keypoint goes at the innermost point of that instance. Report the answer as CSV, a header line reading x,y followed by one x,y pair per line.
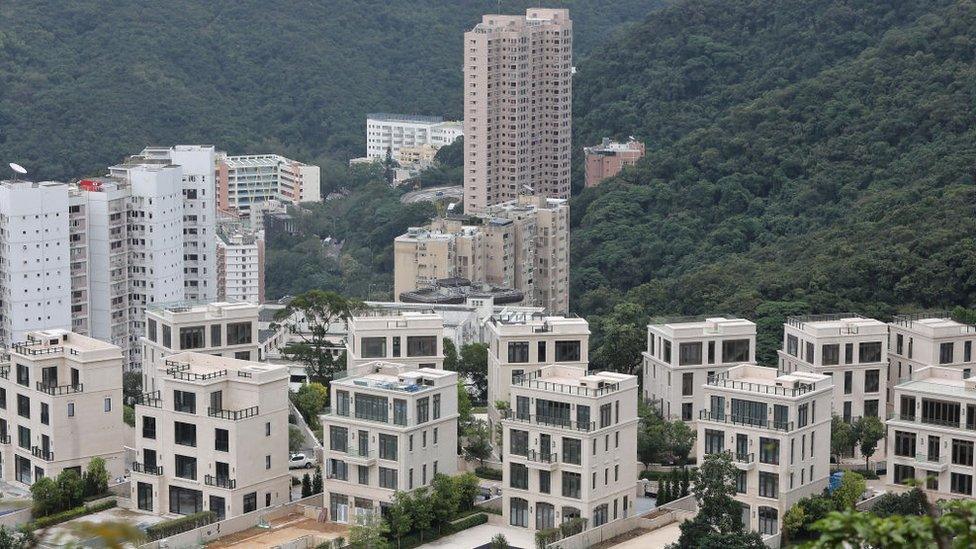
x,y
721,380
193,376
233,415
550,421
58,390
534,380
684,319
176,366
907,320
799,320
747,421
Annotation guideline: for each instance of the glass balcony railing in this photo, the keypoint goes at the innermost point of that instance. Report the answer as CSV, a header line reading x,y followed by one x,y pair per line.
x,y
550,421
746,421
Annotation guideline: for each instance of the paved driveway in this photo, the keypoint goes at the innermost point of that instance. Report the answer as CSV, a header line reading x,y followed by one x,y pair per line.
x,y
482,534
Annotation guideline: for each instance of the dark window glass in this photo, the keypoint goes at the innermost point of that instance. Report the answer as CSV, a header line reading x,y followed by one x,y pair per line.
x,y
735,350
191,337
689,353
518,351
568,351
373,347
869,352
185,433
239,333
421,345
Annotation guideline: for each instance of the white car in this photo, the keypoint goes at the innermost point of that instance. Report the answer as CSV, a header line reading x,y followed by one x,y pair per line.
x,y
299,461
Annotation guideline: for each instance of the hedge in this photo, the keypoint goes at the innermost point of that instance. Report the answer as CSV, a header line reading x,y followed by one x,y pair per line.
x,y
868,474
70,514
412,540
488,473
180,525
467,522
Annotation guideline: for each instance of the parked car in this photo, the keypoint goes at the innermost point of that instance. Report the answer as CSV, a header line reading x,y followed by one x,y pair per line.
x,y
300,461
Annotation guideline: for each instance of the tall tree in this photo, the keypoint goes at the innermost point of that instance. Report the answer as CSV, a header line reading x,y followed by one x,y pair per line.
x,y
423,510
868,430
311,317
401,515
477,441
450,354
473,365
444,498
842,437
369,532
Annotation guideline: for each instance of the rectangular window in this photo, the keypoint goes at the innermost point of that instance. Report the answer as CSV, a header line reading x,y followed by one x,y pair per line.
x,y
522,410
869,352
23,406
145,492
342,403
23,437
397,351
810,351
545,482
184,501
967,351
388,447
848,382
338,438
946,352
250,502
792,345
572,451
553,412
872,381
399,411
373,347
961,484
899,344
151,330
769,450
711,352
519,442
541,351
185,434
687,411
802,412
717,410
371,407
167,337
186,467
568,351
714,441
735,350
830,354
939,412
185,401
421,346
362,472
519,476
518,352
216,335
768,485
666,351
849,353
687,384
741,481
423,410
239,333
221,440
871,408
606,412
572,484
689,354
749,412
23,375
191,337
388,478
437,406
905,444
148,427
962,452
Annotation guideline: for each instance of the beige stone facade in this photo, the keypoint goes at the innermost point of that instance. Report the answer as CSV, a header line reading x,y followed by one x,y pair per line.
x,y
412,338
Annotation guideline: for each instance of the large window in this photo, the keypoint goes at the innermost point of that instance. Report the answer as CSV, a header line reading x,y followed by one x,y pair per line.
x,y
342,403
519,442
184,501
148,427
689,354
23,406
903,473
185,401
185,433
749,412
568,351
962,452
872,381
545,481
552,412
144,496
399,411
572,482
518,351
522,410
769,450
151,330
421,345
600,515
792,345
939,412
831,354
606,415
946,351
666,351
239,333
167,336
768,520
250,502
519,476
802,415
371,407
186,467
373,347
221,440
687,384
869,352
519,512
423,410
191,337
905,444
848,382
741,481
338,438
717,407
768,485
545,516
961,484
714,441
24,439
388,478
216,335
735,350
572,450
388,447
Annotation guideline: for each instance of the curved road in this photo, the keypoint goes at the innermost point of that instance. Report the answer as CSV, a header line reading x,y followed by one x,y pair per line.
x,y
432,194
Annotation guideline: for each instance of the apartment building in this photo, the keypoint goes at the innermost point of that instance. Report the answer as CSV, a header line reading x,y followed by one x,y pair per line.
x,y
570,447
932,432
60,406
520,344
390,430
219,329
919,340
412,338
609,157
199,194
213,435
246,180
777,429
395,132
683,353
517,107
850,348
35,258
240,263
521,245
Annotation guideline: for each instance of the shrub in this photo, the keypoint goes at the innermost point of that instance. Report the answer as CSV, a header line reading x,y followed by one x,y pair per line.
x,y
95,477
545,537
910,503
70,514
180,525
866,473
650,475
572,526
469,521
488,473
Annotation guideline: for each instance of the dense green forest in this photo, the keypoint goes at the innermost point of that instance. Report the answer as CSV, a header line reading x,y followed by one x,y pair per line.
x,y
810,156
85,82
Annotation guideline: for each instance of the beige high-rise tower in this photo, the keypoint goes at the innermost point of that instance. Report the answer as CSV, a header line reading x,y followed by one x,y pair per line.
x,y
517,107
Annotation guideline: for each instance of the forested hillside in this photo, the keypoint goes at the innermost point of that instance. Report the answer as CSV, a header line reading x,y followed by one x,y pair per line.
x,y
808,156
83,83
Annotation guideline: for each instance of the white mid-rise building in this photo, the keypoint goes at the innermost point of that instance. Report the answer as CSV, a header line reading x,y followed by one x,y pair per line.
x,y
777,429
932,432
390,430
60,406
683,353
918,340
219,328
248,180
570,447
520,344
850,348
35,258
411,338
392,132
212,436
240,263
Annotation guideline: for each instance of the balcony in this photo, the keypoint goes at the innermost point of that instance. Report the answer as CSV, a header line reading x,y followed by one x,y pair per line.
x,y
931,421
540,460
220,482
4,439
745,421
923,461
150,399
549,421
5,370
148,470
356,457
39,452
58,390
233,415
744,462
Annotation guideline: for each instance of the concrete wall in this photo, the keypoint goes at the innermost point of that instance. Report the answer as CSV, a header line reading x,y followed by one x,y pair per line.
x,y
493,503
211,532
16,518
590,537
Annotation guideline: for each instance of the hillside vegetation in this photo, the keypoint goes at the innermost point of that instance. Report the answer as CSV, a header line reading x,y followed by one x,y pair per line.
x,y
808,156
83,83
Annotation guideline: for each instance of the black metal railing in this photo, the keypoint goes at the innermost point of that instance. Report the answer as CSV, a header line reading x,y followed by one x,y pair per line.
x,y
152,398
747,421
220,482
5,372
39,452
147,469
192,376
5,439
60,389
744,458
550,421
233,414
